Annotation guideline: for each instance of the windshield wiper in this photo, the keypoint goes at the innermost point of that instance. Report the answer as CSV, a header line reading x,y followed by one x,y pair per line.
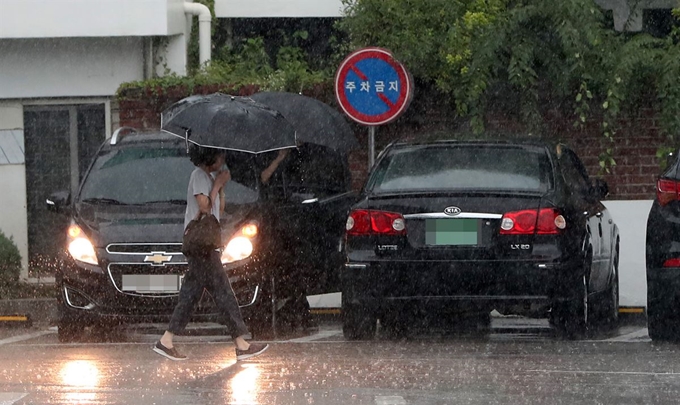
x,y
110,201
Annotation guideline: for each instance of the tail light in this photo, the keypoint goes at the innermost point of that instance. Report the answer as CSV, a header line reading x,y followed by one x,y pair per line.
x,y
546,221
675,262
666,191
367,222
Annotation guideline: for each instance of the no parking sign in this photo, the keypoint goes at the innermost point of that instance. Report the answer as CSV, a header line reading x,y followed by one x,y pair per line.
x,y
372,87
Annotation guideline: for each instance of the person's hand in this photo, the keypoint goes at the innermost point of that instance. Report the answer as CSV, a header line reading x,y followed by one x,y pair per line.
x,y
283,153
223,176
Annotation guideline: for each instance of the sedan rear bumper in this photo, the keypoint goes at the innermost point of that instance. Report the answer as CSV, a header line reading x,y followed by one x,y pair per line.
x,y
478,283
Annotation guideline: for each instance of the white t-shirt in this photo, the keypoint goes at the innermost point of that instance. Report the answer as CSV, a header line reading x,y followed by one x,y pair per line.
x,y
200,182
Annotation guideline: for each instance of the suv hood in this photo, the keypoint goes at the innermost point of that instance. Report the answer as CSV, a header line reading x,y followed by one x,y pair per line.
x,y
131,224
142,224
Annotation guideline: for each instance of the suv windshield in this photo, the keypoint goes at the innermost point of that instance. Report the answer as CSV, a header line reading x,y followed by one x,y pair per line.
x,y
143,175
434,168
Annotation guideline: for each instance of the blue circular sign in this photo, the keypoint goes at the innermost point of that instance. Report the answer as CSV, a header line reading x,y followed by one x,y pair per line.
x,y
373,88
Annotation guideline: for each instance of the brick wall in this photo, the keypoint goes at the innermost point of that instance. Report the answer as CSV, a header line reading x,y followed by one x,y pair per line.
x,y
637,139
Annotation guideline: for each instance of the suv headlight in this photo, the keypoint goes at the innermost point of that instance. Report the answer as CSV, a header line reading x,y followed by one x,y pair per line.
x,y
79,246
240,246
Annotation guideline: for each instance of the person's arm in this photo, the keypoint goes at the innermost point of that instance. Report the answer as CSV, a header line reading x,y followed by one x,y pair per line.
x,y
205,201
222,201
223,176
267,173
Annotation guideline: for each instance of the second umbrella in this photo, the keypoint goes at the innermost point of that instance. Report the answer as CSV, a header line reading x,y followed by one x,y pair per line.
x,y
314,121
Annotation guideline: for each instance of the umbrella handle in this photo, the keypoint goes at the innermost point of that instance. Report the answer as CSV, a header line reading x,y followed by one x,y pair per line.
x,y
186,138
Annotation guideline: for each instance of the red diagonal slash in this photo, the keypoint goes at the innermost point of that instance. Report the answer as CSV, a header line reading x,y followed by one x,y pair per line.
x,y
358,73
381,96
386,100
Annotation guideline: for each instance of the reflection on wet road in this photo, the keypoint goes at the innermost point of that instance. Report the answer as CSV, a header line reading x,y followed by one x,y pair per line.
x,y
519,362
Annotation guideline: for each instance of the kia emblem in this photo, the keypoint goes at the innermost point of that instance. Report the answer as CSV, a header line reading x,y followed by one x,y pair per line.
x,y
452,211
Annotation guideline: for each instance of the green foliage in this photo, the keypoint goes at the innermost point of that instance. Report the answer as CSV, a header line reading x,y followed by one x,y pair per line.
x,y
246,64
10,270
10,261
547,54
250,64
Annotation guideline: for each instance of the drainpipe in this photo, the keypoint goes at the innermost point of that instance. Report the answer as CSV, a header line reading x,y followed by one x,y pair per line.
x,y
204,21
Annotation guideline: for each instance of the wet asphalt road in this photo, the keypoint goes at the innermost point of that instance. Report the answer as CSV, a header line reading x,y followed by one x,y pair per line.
x,y
519,362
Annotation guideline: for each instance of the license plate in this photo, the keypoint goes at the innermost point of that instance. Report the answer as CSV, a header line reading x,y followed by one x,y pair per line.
x,y
152,283
452,232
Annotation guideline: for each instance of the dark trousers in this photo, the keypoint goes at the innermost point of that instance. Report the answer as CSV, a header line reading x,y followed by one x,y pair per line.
x,y
206,272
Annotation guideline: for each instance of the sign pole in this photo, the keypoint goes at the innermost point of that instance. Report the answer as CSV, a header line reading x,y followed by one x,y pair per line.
x,y
371,146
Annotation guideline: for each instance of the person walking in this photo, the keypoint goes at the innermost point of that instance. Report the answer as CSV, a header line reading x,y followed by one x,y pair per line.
x,y
206,271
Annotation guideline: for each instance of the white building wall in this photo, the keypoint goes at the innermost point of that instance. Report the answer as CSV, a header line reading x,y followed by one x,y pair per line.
x,y
90,18
631,218
14,220
172,56
628,14
68,67
278,8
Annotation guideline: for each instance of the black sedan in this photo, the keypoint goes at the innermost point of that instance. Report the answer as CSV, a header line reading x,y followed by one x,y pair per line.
x,y
663,256
457,229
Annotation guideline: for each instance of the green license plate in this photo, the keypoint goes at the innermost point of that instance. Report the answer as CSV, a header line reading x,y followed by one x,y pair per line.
x,y
452,232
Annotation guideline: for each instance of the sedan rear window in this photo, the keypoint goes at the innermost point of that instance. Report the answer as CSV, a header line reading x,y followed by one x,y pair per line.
x,y
463,167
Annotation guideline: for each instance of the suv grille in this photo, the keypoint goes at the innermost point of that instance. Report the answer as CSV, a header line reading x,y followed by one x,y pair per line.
x,y
144,270
148,265
144,248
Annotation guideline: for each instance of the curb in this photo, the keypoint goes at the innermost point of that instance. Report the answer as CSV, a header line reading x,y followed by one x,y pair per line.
x,y
37,310
44,310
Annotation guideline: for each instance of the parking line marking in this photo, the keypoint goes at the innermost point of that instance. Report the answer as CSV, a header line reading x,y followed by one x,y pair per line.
x,y
604,372
390,400
638,335
13,318
26,336
317,336
631,310
8,398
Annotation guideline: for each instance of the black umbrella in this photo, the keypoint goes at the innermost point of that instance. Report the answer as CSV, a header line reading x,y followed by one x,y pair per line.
x,y
228,122
314,121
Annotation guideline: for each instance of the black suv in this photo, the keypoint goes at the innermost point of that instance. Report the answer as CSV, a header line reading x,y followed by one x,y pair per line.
x,y
456,229
123,263
663,256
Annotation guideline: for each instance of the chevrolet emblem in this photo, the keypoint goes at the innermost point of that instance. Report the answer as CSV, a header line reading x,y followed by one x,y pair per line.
x,y
158,258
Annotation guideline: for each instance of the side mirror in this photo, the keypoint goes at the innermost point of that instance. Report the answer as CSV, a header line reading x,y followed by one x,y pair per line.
x,y
669,158
600,189
59,202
